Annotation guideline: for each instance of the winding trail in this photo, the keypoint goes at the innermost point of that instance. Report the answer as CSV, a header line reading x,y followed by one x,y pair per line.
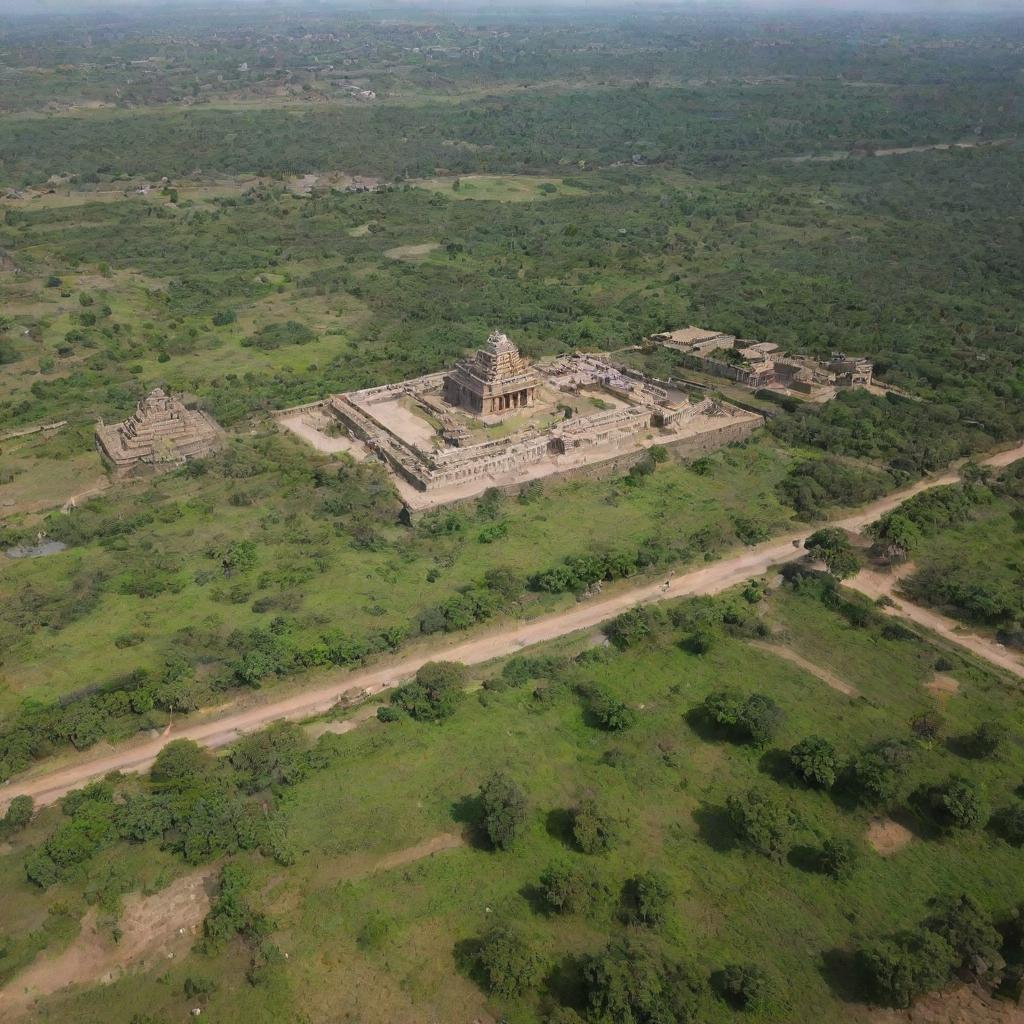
x,y
46,786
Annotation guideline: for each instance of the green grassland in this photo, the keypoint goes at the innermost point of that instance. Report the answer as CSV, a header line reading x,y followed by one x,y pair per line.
x,y
385,945
310,563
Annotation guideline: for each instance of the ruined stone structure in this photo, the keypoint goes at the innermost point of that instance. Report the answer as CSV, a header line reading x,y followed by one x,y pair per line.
x,y
439,452
494,381
761,365
160,433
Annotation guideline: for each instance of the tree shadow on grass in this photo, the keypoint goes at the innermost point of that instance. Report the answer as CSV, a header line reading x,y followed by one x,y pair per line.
x,y
467,961
468,812
838,967
715,827
777,765
706,728
558,824
962,746
534,897
805,858
565,983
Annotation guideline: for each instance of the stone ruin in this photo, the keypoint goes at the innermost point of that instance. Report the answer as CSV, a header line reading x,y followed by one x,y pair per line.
x,y
161,433
494,381
414,426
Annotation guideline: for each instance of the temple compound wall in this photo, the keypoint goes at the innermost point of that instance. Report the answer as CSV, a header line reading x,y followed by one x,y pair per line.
x,y
433,431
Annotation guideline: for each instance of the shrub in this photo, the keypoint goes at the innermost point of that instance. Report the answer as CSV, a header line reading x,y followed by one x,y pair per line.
x,y
987,739
273,756
876,774
629,982
510,965
611,713
816,761
741,985
957,804
899,969
386,713
435,693
970,933
838,858
762,823
593,831
756,718
504,809
568,889
646,898
18,814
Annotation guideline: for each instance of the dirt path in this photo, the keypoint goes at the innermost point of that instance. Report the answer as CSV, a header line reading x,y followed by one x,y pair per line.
x,y
398,859
878,584
155,928
48,786
823,674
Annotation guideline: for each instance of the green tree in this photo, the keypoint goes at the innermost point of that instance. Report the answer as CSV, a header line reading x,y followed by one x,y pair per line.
x,y
899,969
987,740
628,983
646,898
510,965
816,761
744,986
833,547
838,858
876,774
611,713
180,765
569,889
504,808
435,693
896,535
762,823
18,814
958,804
593,830
970,932
275,756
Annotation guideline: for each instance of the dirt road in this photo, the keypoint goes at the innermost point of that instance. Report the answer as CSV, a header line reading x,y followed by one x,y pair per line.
x,y
878,584
48,786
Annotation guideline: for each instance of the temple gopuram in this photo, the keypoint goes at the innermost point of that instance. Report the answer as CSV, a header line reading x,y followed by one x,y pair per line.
x,y
161,433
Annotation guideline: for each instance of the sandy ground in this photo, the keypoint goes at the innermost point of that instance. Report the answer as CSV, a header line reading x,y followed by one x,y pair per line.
x,y
47,786
823,674
965,1004
942,686
155,928
302,427
876,584
887,836
412,252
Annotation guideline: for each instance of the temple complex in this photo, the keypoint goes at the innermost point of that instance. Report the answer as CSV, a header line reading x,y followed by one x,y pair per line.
x,y
494,381
160,433
491,421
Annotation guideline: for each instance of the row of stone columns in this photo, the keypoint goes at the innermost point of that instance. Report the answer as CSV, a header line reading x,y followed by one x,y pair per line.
x,y
514,400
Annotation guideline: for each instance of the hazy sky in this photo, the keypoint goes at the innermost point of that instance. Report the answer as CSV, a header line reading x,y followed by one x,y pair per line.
x,y
24,7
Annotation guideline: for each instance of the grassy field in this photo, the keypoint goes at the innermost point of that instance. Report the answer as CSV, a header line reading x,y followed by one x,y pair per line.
x,y
329,580
383,944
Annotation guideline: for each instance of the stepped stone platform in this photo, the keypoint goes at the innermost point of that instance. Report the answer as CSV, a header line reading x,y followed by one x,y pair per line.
x,y
161,433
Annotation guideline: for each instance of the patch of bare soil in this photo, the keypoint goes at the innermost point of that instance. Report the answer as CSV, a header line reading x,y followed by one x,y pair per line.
x,y
411,854
942,685
963,1005
412,252
154,928
887,836
316,729
817,671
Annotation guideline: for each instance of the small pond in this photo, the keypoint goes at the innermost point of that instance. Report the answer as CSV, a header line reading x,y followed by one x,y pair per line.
x,y
46,547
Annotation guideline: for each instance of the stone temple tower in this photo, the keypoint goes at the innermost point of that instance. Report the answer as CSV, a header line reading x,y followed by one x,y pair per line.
x,y
496,380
